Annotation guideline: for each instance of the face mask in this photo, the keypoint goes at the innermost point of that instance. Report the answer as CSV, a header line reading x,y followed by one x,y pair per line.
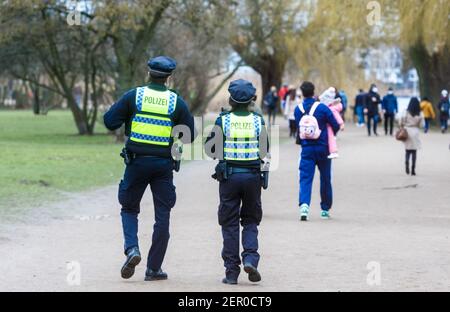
x,y
375,90
391,92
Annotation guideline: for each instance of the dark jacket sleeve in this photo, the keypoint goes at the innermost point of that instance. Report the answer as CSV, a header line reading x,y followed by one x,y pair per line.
x,y
384,103
366,101
120,112
298,115
183,116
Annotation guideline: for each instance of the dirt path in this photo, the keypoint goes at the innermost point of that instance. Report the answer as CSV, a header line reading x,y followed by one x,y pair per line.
x,y
380,215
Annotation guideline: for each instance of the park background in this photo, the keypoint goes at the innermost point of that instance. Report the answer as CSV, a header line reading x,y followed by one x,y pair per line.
x,y
63,63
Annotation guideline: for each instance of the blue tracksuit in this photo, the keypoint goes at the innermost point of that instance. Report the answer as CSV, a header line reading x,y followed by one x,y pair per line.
x,y
315,153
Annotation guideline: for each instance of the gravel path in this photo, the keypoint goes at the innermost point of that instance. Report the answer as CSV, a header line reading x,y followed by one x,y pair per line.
x,y
381,217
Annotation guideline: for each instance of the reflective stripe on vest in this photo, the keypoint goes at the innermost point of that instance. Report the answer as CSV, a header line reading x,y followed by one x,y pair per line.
x,y
241,137
152,123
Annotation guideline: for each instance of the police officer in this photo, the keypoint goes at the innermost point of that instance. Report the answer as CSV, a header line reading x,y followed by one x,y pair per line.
x,y
149,113
236,139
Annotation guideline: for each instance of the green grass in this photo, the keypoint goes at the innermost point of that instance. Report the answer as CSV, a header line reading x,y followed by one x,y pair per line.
x,y
42,157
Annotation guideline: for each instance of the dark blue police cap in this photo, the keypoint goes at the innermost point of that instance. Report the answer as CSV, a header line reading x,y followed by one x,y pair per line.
x,y
161,66
242,91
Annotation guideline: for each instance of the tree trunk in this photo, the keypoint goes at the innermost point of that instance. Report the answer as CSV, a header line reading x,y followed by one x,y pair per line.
x,y
80,121
125,81
271,74
79,117
199,107
36,100
433,71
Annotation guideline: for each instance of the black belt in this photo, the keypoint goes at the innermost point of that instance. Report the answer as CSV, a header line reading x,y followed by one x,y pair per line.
x,y
147,156
233,170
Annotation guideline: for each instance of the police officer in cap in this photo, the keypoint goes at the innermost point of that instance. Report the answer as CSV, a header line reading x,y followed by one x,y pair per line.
x,y
149,113
239,141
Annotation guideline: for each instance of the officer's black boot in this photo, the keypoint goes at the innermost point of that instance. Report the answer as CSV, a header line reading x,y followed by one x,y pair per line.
x,y
151,275
253,274
133,259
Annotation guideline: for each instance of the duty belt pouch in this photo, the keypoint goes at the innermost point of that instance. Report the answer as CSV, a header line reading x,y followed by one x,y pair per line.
x,y
127,156
221,173
177,153
265,175
177,165
265,180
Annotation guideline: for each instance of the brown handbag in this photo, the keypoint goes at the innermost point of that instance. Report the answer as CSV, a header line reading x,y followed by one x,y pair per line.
x,y
401,134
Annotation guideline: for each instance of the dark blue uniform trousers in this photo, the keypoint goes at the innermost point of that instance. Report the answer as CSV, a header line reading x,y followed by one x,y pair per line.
x,y
158,173
240,201
312,156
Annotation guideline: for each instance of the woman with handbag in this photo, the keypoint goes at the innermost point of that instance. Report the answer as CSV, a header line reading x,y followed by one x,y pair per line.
x,y
411,122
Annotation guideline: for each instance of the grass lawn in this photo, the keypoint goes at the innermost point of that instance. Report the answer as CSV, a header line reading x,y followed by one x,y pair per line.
x,y
42,157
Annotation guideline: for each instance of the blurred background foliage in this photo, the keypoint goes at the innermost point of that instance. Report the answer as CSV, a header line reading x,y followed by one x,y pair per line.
x,y
75,58
88,62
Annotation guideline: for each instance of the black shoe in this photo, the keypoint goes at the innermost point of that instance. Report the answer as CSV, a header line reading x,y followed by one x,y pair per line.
x,y
151,275
253,274
229,281
407,170
133,259
413,172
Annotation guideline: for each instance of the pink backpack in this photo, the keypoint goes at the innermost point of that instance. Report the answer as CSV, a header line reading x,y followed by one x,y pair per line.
x,y
309,127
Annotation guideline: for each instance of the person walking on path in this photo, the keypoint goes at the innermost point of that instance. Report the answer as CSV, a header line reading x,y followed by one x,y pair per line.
x,y
411,121
372,109
238,144
359,107
344,101
292,101
444,110
313,117
428,113
390,109
149,114
270,103
282,94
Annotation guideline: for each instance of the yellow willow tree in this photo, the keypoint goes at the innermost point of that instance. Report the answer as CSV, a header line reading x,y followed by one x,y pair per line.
x,y
425,36
421,28
324,63
262,30
325,53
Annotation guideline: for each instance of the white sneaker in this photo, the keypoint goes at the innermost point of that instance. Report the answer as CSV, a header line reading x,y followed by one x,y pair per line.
x,y
333,156
304,212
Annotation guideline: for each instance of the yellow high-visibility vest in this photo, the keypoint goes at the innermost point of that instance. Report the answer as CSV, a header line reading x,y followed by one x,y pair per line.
x,y
241,136
152,123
